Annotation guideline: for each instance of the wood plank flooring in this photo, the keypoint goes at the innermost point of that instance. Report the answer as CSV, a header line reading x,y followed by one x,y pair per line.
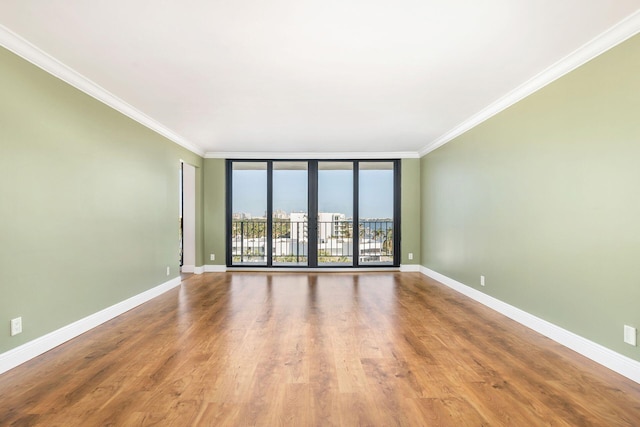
x,y
285,349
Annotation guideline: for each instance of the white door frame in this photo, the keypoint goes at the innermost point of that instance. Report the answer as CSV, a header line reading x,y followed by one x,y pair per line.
x,y
188,218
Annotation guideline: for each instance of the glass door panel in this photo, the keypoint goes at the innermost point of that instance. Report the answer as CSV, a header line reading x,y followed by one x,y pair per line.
x,y
335,213
375,213
290,217
249,213
313,213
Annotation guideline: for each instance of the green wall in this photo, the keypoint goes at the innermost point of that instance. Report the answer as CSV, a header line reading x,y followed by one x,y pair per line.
x,y
90,199
214,211
543,199
410,211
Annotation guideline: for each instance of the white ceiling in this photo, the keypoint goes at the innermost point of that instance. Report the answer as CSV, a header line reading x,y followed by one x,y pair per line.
x,y
309,75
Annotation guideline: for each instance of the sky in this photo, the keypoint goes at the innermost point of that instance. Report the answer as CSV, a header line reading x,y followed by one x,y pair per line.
x,y
335,190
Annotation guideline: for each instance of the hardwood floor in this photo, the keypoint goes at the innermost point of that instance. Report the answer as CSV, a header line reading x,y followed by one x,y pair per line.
x,y
283,349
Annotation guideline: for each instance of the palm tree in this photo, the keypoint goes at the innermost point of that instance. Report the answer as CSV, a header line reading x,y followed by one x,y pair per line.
x,y
345,229
387,244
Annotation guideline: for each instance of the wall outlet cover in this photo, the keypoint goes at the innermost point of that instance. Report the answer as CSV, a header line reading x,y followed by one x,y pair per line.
x,y
16,326
630,335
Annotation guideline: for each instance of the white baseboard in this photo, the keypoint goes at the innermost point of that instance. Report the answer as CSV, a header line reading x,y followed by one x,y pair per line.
x,y
224,269
409,268
38,346
215,268
596,352
312,270
192,269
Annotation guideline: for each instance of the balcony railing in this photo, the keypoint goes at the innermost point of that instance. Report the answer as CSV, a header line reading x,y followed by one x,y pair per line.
x,y
289,242
375,241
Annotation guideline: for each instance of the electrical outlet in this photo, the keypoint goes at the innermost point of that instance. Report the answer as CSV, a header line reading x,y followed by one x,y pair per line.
x,y
213,257
410,256
16,326
168,271
630,335
481,280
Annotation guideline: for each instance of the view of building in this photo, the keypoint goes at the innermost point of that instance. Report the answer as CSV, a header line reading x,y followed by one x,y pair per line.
x,y
291,239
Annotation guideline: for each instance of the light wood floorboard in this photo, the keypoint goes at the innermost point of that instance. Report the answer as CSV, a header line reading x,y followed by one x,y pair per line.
x,y
298,349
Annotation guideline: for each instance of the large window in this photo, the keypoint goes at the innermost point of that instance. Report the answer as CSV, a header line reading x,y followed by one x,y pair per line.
x,y
313,213
290,214
335,213
248,233
376,213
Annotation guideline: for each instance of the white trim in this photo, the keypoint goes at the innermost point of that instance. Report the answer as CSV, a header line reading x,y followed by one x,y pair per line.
x,y
308,155
192,269
31,53
596,352
188,268
215,268
224,269
409,268
38,346
615,35
312,270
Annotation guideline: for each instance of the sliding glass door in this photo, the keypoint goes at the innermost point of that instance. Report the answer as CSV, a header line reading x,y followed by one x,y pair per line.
x,y
313,213
375,213
290,214
248,231
335,213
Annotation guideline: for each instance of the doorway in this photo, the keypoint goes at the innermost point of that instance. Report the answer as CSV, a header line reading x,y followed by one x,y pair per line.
x,y
188,217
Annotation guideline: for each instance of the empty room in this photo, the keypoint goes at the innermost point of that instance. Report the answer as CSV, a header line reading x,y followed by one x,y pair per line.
x,y
410,213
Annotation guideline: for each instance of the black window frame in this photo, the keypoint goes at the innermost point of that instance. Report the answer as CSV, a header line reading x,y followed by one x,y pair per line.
x,y
312,206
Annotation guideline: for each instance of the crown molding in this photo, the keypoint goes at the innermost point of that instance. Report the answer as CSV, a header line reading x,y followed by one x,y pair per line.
x,y
615,35
23,48
313,155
